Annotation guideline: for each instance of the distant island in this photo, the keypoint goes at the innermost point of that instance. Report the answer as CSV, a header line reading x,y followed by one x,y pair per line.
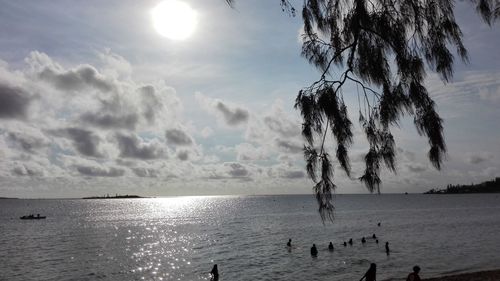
x,y
492,186
8,198
117,196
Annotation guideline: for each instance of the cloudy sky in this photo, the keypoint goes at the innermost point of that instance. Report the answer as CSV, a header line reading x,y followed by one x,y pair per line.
x,y
93,100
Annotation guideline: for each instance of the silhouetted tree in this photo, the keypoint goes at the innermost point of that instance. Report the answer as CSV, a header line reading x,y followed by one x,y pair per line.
x,y
382,47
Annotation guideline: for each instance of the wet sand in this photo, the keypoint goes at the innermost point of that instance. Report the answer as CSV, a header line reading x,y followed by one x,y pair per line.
x,y
490,275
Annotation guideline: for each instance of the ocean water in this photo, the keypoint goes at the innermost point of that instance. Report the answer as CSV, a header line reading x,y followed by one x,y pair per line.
x,y
180,238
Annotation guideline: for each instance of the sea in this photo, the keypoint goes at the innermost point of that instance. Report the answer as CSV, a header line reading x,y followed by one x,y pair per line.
x,y
181,238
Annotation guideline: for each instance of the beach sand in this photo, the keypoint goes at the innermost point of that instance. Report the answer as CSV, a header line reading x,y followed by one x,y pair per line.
x,y
491,275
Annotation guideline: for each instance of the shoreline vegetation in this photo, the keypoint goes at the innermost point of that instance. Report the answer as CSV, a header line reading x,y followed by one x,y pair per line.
x,y
487,275
117,196
492,186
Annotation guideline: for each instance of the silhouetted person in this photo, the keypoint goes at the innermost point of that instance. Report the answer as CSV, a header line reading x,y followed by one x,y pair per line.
x,y
214,273
387,251
350,241
378,224
314,251
289,244
414,275
371,273
330,246
345,244
374,236
376,241
363,240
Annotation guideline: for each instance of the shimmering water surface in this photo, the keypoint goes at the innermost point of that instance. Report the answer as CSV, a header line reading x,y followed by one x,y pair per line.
x,y
180,238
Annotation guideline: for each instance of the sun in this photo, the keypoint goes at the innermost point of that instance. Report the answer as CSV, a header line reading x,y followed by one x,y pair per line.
x,y
174,19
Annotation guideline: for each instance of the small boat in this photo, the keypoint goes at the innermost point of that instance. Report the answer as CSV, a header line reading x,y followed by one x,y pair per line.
x,y
33,217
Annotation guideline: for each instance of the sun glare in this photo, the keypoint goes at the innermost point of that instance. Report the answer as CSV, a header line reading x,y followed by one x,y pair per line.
x,y
174,19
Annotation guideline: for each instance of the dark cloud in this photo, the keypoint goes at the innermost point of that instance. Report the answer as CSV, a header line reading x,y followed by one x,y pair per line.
x,y
14,102
178,137
408,155
293,174
99,172
84,141
283,127
183,155
237,170
131,147
145,172
77,79
289,146
110,121
27,143
476,159
23,170
232,116
416,168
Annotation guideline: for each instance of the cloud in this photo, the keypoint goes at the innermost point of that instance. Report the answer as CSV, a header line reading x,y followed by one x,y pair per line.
x,y
28,143
14,102
150,102
293,174
109,121
94,171
237,170
183,155
133,147
76,79
248,152
416,167
145,172
289,146
178,137
84,141
231,115
25,170
479,158
280,123
407,154
206,132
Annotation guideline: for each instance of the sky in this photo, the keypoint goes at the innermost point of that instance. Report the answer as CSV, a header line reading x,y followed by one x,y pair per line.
x,y
93,100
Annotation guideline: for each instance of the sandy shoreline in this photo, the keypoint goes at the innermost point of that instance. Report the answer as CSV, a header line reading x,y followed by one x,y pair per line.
x,y
489,275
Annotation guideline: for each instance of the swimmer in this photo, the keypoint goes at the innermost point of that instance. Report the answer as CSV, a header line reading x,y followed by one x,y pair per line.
x,y
314,250
330,247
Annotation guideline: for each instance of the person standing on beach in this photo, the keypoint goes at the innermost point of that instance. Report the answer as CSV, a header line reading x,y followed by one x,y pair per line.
x,y
414,275
330,247
371,273
289,244
350,241
387,251
214,273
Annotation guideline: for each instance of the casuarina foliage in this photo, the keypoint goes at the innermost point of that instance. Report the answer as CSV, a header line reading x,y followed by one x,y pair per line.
x,y
383,47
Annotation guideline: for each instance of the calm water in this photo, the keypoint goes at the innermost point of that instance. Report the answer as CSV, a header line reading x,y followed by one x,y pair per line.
x,y
180,238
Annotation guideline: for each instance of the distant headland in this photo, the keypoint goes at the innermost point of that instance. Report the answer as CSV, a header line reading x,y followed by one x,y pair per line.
x,y
492,186
117,196
8,198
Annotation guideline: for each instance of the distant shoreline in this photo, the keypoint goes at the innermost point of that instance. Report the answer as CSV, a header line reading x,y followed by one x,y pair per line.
x,y
115,197
492,186
487,275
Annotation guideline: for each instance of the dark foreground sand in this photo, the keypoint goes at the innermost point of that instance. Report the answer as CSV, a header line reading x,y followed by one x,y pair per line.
x,y
491,275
